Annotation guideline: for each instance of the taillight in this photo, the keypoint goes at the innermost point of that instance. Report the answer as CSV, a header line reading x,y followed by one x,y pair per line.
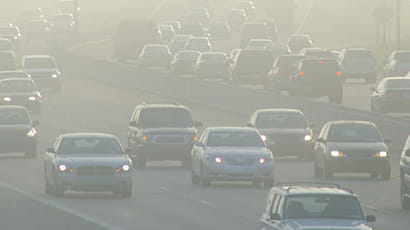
x,y
339,73
301,73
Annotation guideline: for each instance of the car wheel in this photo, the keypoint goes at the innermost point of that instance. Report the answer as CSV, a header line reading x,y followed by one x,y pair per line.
x,y
386,173
203,179
327,172
404,195
317,170
268,183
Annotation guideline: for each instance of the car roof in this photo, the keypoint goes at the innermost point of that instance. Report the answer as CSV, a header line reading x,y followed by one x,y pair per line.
x,y
213,53
162,104
16,79
83,135
15,107
392,78
230,129
37,56
312,189
278,110
351,122
358,49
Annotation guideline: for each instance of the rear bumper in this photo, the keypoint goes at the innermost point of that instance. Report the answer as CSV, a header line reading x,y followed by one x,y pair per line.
x,y
364,165
239,173
25,144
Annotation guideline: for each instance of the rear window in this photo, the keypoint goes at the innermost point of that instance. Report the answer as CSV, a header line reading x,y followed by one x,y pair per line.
x,y
213,57
361,54
287,61
187,55
165,117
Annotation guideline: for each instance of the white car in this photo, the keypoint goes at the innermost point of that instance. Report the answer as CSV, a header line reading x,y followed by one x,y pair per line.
x,y
231,153
87,162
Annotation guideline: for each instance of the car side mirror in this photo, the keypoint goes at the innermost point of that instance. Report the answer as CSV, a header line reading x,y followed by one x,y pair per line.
x,y
320,140
198,124
387,141
250,125
133,124
35,123
275,216
51,150
371,218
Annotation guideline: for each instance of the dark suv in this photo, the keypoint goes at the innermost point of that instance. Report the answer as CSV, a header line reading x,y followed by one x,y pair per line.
x,y
405,176
313,206
161,131
318,77
17,131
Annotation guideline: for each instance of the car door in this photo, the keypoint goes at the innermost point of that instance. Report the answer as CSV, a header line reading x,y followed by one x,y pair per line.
x,y
198,152
50,158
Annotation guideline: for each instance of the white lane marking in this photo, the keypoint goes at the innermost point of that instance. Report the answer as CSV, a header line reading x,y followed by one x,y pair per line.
x,y
369,207
61,207
165,189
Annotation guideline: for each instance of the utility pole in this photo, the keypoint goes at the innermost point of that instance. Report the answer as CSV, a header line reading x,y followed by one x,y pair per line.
x,y
398,21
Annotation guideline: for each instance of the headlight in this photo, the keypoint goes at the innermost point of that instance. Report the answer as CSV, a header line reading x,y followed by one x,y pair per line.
x,y
144,138
218,160
54,76
262,160
126,168
308,137
31,133
32,98
381,154
195,138
7,99
335,153
15,38
62,168
264,138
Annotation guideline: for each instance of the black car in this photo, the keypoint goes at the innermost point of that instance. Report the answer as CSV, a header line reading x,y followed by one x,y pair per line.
x,y
391,95
252,66
287,129
161,131
44,70
283,69
405,175
318,77
17,131
20,91
351,146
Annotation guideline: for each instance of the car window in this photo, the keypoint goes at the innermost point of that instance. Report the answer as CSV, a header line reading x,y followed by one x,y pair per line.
x,y
14,117
280,120
165,117
39,63
89,145
235,139
323,206
397,83
402,56
17,86
353,133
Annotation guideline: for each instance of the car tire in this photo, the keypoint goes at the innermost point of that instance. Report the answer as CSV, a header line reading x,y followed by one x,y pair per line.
x,y
327,172
268,183
386,173
318,172
404,200
203,179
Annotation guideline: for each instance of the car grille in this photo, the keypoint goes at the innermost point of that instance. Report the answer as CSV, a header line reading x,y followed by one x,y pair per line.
x,y
170,140
359,153
10,134
95,171
233,161
286,138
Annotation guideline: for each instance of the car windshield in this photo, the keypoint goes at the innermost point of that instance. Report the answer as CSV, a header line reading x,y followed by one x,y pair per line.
x,y
235,139
34,63
165,117
14,117
398,84
213,57
17,86
322,207
287,61
280,120
354,132
89,145
402,56
401,68
360,54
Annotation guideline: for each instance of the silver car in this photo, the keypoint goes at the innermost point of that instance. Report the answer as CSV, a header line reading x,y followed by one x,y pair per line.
x,y
231,153
87,162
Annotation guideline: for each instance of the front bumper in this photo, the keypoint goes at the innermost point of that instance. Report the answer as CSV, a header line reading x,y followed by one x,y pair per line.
x,y
71,181
239,173
359,165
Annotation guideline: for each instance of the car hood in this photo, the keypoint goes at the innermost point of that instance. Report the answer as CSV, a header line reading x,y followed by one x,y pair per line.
x,y
173,131
94,159
327,224
360,146
237,151
6,128
41,70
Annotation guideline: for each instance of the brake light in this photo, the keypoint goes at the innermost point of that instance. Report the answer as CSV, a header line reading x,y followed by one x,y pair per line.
x,y
301,73
339,73
320,62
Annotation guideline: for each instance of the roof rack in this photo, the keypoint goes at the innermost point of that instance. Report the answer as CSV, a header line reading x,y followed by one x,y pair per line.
x,y
316,184
160,102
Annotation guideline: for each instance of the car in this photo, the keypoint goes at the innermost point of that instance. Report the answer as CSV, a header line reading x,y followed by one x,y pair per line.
x,y
184,61
20,91
14,74
160,131
283,69
297,42
316,53
405,175
258,44
5,45
194,29
168,33
249,8
32,14
398,64
252,66
18,131
200,15
277,49
351,146
220,30
237,18
358,63
272,27
232,153
255,31
7,61
43,70
89,162
155,55
317,77
178,43
391,95
288,130
37,30
176,25
213,65
63,23
201,44
313,206
13,34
